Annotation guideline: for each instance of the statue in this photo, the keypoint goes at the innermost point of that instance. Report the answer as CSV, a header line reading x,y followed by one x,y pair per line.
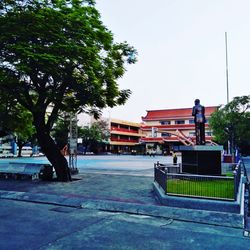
x,y
199,119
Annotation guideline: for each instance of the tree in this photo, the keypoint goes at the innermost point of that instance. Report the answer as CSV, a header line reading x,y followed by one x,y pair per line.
x,y
94,137
17,121
6,105
58,55
104,131
231,123
23,128
90,136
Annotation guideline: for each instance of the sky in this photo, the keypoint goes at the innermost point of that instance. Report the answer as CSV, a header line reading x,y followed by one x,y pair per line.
x,y
181,52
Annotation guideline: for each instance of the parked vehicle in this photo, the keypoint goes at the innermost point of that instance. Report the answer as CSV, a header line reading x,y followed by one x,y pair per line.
x,y
26,151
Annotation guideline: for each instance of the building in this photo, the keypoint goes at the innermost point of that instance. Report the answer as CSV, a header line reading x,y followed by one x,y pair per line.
x,y
7,146
125,137
167,128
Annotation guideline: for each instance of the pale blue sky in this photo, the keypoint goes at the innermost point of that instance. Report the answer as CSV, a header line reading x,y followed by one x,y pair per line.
x,y
181,51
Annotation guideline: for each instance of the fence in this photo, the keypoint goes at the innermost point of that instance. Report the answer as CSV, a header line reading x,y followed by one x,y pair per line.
x,y
237,176
202,186
160,177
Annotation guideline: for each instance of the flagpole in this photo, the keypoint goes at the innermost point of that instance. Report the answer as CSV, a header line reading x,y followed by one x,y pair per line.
x,y
227,68
228,143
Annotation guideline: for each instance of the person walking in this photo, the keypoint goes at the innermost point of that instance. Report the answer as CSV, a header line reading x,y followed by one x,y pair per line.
x,y
174,158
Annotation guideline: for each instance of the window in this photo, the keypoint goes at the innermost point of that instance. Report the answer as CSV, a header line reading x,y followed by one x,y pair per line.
x,y
114,125
123,126
179,122
191,133
191,121
134,129
124,137
165,134
165,122
208,133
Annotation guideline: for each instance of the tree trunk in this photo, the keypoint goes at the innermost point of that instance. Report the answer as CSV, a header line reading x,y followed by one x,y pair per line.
x,y
52,152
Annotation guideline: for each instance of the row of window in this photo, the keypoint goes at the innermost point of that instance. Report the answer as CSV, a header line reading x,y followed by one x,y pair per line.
x,y
114,137
125,127
191,121
190,134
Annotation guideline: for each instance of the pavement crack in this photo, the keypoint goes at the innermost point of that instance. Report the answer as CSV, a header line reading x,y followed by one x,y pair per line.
x,y
169,221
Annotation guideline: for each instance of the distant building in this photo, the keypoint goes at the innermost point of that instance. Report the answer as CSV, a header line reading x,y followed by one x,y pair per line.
x,y
160,131
6,146
167,128
125,137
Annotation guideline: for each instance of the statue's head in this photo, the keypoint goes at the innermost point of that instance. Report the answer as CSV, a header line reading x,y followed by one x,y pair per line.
x,y
197,101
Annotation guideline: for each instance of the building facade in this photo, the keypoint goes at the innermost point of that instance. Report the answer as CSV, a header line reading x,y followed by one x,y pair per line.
x,y
125,137
167,128
7,147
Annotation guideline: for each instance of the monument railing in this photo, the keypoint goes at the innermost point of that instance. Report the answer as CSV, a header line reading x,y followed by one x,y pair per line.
x,y
160,176
173,182
200,186
237,177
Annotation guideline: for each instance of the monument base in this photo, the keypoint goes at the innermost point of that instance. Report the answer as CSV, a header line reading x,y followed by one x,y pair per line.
x,y
201,159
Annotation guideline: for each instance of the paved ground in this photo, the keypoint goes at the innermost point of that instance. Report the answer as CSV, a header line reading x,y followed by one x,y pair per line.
x,y
119,164
103,211
44,226
123,188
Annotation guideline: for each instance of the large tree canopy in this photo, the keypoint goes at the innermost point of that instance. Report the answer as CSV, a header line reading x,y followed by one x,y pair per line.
x,y
232,122
58,54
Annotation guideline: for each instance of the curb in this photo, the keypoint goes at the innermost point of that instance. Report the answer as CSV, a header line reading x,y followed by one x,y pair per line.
x,y
180,214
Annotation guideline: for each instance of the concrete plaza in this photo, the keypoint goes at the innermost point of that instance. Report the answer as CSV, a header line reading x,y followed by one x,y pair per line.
x,y
105,210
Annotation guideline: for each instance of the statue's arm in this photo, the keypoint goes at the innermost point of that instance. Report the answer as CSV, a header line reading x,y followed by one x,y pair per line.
x,y
193,111
203,112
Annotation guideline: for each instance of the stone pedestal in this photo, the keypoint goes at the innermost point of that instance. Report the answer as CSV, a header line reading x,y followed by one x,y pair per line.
x,y
202,160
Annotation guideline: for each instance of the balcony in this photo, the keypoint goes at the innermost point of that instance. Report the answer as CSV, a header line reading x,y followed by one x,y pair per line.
x,y
124,140
124,130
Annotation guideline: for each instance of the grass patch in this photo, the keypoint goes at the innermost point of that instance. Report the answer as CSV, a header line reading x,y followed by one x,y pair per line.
x,y
206,188
229,174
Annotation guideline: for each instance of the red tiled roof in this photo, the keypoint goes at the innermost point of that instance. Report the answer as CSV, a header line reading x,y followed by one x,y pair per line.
x,y
174,113
172,138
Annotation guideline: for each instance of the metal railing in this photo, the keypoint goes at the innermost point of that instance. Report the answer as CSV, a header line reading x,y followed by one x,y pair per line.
x,y
202,186
124,140
205,186
125,130
244,170
160,177
237,177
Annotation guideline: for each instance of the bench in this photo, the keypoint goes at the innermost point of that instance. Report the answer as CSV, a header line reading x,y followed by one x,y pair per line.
x,y
19,170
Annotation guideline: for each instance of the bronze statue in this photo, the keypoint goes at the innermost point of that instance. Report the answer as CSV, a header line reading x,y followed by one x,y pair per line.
x,y
199,119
